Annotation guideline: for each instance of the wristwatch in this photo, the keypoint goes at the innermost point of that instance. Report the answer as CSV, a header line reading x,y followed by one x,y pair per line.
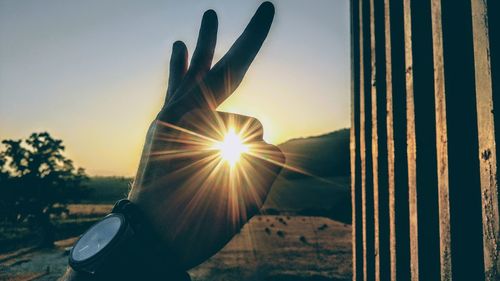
x,y
122,246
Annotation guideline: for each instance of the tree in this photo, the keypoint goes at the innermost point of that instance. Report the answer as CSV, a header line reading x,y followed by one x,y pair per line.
x,y
37,181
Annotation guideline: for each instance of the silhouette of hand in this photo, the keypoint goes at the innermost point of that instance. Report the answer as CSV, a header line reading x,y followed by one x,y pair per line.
x,y
203,173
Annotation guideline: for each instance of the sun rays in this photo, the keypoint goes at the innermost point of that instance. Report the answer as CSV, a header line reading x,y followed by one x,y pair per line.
x,y
209,140
217,166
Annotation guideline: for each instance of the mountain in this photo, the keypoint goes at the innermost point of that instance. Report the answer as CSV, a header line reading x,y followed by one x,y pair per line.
x,y
320,156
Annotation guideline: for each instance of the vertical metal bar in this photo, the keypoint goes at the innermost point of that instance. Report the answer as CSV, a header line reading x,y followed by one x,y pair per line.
x,y
487,148
412,162
362,142
396,141
390,139
375,156
466,226
365,141
422,154
379,141
493,11
357,250
442,139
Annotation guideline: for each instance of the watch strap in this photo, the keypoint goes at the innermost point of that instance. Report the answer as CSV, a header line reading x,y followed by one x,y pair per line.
x,y
156,263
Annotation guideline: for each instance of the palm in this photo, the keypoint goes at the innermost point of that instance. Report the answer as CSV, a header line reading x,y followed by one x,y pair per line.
x,y
194,199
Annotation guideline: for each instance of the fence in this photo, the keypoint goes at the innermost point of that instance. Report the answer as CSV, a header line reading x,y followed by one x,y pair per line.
x,y
425,88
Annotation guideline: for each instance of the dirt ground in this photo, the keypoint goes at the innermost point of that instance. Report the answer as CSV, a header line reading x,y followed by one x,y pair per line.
x,y
269,248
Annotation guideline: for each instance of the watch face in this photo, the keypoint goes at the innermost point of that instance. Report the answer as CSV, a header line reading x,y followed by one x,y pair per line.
x,y
96,238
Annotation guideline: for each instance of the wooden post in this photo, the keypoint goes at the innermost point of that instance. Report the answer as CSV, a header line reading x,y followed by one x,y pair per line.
x,y
487,147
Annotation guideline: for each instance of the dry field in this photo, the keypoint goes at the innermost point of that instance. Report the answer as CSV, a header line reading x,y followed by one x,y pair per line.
x,y
273,248
90,209
269,248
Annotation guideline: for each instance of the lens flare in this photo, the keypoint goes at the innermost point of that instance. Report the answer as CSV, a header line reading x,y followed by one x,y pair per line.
x,y
231,148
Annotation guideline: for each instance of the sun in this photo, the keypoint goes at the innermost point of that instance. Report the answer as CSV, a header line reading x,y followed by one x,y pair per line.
x,y
231,148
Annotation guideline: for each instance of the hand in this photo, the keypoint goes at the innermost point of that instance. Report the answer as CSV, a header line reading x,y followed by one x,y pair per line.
x,y
195,199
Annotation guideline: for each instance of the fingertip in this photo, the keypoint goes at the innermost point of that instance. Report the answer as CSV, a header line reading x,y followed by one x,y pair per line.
x,y
268,7
209,24
210,17
210,13
263,18
178,45
179,52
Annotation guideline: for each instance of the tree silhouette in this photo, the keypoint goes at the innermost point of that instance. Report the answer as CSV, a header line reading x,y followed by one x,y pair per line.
x,y
37,182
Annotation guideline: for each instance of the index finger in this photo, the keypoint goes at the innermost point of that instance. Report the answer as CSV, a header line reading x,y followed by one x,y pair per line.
x,y
227,74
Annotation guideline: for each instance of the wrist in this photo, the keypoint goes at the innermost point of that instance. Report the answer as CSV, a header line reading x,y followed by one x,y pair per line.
x,y
151,251
122,246
153,214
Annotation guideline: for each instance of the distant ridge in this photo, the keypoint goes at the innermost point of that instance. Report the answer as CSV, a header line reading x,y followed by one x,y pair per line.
x,y
313,137
325,155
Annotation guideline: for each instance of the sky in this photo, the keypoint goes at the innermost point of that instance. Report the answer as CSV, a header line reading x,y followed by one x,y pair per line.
x,y
94,73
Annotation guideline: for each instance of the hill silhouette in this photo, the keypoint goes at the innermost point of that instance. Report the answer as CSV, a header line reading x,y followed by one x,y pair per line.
x,y
321,156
